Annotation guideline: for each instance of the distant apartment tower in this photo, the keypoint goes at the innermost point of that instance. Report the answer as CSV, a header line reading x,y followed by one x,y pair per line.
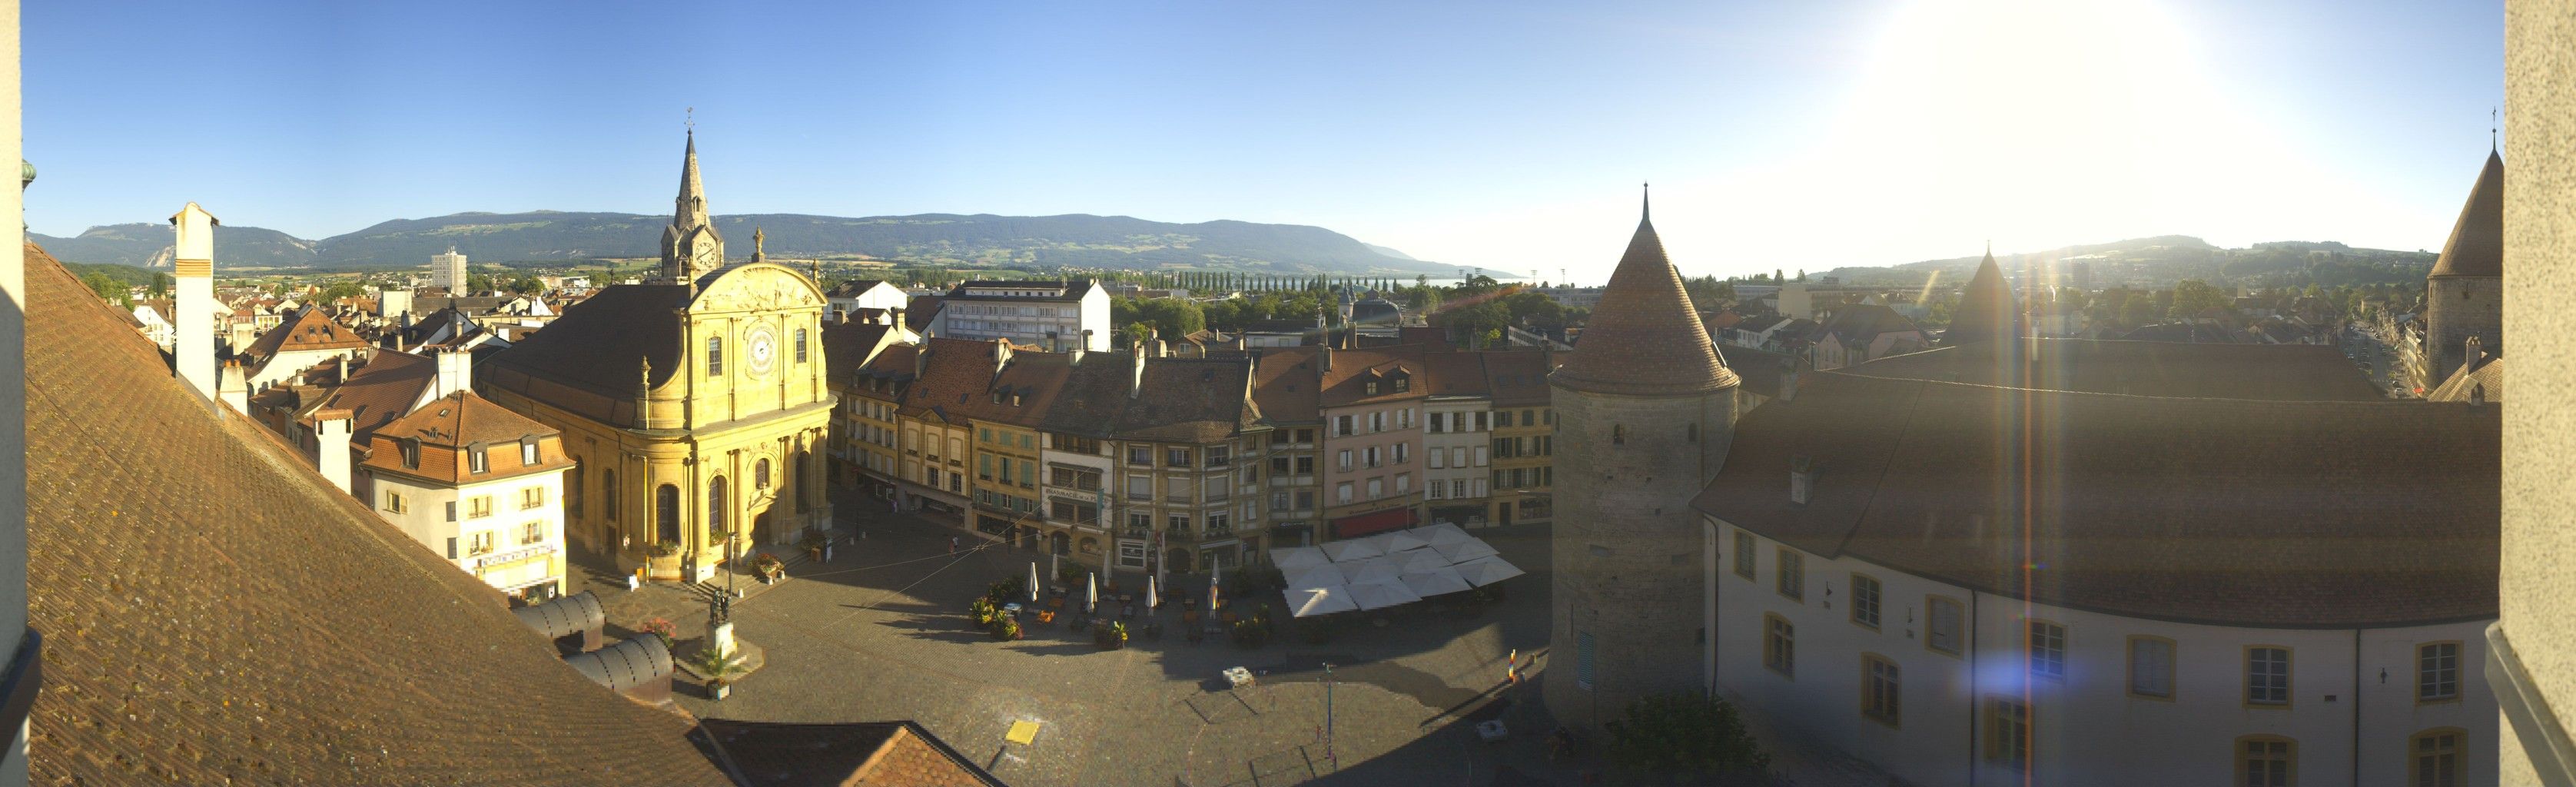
x,y
448,271
1050,315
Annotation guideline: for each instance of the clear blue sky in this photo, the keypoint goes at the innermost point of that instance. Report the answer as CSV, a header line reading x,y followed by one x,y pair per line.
x,y
1506,135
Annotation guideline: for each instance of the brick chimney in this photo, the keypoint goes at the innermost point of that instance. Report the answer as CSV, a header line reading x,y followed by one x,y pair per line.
x,y
331,436
195,318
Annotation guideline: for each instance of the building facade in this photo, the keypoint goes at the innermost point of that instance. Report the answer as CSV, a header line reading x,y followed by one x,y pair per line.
x,y
1456,427
479,485
447,272
1050,315
697,405
1371,403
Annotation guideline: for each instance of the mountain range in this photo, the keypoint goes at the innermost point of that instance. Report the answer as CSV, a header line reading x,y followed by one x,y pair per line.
x,y
933,239
2160,261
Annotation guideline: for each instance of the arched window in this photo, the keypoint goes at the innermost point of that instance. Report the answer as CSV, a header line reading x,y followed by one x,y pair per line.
x,y
2266,761
715,508
760,475
2433,757
666,513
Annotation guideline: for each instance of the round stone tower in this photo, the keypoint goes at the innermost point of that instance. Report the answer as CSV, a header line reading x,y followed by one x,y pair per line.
x,y
2464,296
1644,412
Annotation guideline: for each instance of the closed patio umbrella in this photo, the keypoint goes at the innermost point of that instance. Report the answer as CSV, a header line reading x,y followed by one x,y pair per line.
x,y
1152,598
1033,582
1091,594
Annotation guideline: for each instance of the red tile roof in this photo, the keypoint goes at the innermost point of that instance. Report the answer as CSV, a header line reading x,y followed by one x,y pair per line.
x,y
1645,339
236,619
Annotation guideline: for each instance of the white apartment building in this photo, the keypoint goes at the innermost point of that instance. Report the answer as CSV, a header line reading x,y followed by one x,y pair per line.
x,y
1457,438
1049,315
479,485
448,271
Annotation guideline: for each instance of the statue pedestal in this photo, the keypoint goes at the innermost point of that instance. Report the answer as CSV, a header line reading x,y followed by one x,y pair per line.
x,y
720,640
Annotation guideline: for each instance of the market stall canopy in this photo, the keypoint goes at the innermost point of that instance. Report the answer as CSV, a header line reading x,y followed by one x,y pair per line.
x,y
1467,550
1322,576
1308,602
1345,551
1433,583
1380,595
1376,569
1444,534
1419,561
1290,559
1402,540
1487,571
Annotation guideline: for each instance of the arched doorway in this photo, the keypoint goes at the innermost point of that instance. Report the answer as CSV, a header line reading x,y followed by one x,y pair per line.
x,y
666,514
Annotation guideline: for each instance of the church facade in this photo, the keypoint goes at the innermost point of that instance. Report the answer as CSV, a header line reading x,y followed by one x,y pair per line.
x,y
695,404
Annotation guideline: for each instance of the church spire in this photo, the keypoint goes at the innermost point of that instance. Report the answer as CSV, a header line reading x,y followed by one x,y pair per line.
x,y
690,245
1987,311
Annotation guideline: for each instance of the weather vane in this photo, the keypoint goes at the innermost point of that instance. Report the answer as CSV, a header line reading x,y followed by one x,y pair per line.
x,y
2494,124
693,118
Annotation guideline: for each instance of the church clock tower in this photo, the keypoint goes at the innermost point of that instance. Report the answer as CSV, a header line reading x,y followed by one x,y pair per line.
x,y
690,246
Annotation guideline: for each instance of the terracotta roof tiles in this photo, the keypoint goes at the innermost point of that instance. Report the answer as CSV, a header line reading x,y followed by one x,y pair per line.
x,y
1645,339
2476,247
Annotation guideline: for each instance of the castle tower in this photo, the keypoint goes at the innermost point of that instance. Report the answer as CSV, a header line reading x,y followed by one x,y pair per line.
x,y
2464,296
1987,310
1645,410
690,246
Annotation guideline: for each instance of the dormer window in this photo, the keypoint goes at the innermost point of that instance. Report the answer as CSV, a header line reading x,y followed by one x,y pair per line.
x,y
410,452
1372,389
1403,383
528,451
478,460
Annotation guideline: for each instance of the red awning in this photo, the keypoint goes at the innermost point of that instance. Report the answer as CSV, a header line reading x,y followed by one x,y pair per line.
x,y
1374,522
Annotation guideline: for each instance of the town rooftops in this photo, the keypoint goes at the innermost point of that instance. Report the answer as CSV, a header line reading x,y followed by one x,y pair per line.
x,y
855,288
2272,372
2476,247
868,754
432,442
2281,514
310,329
590,360
1518,377
327,648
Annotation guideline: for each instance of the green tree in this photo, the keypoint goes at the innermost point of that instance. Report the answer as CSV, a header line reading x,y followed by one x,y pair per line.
x,y
2193,296
2139,310
527,285
477,282
108,289
1685,733
161,284
346,289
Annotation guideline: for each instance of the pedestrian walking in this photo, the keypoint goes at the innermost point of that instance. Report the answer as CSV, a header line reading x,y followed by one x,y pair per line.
x,y
952,545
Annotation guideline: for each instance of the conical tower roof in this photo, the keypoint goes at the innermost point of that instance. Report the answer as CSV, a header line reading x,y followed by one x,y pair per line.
x,y
1645,339
2476,247
1987,311
690,211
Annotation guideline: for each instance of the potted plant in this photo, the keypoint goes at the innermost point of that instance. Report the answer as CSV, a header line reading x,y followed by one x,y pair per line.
x,y
1111,635
1006,629
983,611
813,544
769,567
720,670
660,627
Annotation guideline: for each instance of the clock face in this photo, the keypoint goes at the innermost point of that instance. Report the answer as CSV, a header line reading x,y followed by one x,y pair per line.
x,y
764,350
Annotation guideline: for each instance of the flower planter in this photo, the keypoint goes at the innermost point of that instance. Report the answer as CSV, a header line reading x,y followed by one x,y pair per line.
x,y
719,689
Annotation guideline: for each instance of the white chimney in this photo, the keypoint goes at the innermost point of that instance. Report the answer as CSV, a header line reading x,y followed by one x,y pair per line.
x,y
455,372
1136,372
232,387
193,269
331,434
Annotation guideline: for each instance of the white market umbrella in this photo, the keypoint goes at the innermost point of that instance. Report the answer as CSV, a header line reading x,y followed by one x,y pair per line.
x,y
1380,595
1091,594
1419,561
1293,558
1322,576
1153,597
1033,582
1487,571
1467,550
1053,569
1433,583
1345,551
1444,534
1401,540
1305,602
1216,571
1376,569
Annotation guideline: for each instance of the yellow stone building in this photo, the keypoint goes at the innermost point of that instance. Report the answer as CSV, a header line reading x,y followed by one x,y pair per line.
x,y
695,404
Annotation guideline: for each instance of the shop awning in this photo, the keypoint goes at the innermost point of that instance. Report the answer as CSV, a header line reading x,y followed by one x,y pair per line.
x,y
1374,522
